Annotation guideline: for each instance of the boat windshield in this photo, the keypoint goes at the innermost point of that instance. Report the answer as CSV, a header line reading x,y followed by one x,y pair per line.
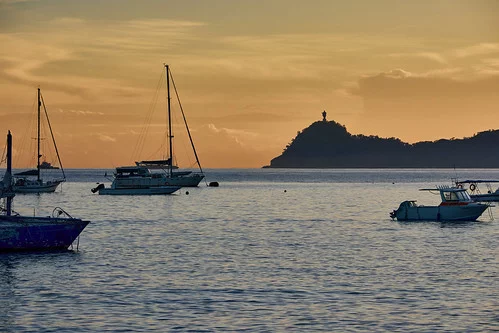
x,y
466,196
456,196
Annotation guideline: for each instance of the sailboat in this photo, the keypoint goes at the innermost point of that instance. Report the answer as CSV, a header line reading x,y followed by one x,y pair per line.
x,y
176,178
140,180
29,233
24,182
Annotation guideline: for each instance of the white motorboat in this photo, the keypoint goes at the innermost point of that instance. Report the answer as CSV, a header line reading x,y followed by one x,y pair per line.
x,y
137,180
473,186
456,205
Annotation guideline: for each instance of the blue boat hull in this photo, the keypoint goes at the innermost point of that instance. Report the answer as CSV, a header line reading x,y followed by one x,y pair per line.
x,y
22,233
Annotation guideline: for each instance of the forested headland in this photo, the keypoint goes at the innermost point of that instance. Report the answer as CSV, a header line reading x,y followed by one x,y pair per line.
x,y
328,144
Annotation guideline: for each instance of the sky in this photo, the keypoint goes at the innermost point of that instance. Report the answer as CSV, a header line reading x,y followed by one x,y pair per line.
x,y
249,74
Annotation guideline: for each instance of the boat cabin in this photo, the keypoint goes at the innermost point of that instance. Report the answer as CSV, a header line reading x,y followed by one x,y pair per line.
x,y
451,195
132,171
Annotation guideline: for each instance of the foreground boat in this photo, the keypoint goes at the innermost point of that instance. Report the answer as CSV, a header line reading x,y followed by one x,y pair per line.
x,y
24,181
28,233
456,205
476,194
136,180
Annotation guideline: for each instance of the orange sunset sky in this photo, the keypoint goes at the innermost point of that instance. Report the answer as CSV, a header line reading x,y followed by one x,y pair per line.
x,y
250,74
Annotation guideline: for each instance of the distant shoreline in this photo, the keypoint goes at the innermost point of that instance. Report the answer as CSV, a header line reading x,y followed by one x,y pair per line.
x,y
328,145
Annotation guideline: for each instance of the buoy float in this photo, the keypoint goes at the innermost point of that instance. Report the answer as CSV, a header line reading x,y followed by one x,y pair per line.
x,y
213,184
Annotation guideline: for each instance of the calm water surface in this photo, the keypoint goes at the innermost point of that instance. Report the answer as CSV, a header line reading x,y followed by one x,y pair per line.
x,y
269,250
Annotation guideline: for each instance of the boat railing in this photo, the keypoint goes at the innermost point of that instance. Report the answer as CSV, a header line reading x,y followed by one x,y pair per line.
x,y
58,211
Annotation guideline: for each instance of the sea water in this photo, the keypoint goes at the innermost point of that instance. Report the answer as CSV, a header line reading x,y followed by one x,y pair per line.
x,y
267,251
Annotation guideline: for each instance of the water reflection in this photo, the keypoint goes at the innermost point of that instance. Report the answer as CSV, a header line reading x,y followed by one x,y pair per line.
x,y
23,277
8,299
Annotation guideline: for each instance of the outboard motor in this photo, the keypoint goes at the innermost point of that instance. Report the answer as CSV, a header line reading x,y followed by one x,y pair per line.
x,y
95,189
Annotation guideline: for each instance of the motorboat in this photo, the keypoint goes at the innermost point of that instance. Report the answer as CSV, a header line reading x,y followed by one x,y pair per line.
x,y
137,180
30,233
156,164
473,186
456,205
47,166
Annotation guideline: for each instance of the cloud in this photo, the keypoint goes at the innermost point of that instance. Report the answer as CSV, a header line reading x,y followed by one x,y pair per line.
x,y
396,74
433,56
415,107
106,138
81,112
399,83
477,50
9,2
87,59
235,135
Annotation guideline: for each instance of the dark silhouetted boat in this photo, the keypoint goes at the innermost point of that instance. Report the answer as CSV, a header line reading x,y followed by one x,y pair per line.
x,y
30,233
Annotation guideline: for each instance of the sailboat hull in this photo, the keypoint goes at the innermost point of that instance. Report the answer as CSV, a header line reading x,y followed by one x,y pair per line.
x,y
22,183
192,180
156,190
36,186
488,197
21,233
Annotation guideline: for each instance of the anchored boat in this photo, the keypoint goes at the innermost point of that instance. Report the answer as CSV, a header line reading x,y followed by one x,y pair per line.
x,y
183,178
30,181
456,205
136,180
476,194
28,233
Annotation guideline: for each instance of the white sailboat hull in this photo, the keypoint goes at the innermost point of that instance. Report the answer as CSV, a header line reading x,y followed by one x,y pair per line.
x,y
192,180
157,190
37,187
24,184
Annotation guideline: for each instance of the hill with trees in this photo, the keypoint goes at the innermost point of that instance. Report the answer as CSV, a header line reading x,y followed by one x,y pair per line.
x,y
328,144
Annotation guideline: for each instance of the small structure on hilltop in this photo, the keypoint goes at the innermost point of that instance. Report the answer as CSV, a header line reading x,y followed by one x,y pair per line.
x,y
324,115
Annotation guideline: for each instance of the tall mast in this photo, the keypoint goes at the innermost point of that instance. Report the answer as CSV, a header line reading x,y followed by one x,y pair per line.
x,y
170,136
7,177
38,138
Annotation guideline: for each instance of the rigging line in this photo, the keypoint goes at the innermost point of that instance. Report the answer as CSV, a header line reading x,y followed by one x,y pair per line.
x,y
185,121
26,135
143,133
52,134
154,102
184,148
4,157
147,121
